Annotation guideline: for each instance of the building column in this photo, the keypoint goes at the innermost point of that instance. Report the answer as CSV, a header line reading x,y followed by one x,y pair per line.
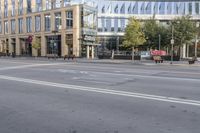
x,y
43,46
188,50
92,52
88,51
34,51
76,31
10,46
64,49
184,51
18,47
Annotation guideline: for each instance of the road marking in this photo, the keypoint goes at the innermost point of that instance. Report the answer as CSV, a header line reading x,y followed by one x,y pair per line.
x,y
27,66
147,76
127,69
105,91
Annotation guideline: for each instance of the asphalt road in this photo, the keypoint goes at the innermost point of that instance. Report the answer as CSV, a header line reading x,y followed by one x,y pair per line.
x,y
69,97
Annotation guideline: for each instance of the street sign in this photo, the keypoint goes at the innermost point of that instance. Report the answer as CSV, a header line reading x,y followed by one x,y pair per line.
x,y
172,41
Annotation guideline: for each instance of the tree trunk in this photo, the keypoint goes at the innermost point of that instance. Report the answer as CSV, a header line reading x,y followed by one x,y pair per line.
x,y
133,50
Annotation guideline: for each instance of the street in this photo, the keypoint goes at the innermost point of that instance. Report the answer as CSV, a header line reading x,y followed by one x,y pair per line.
x,y
47,96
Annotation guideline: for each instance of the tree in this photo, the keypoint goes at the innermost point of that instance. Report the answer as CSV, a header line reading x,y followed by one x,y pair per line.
x,y
152,30
184,30
36,44
134,36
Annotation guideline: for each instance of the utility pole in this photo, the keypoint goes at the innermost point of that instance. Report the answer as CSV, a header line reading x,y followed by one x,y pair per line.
x,y
172,44
159,42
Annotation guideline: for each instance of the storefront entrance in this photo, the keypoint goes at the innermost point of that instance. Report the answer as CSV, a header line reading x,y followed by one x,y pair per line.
x,y
54,45
26,47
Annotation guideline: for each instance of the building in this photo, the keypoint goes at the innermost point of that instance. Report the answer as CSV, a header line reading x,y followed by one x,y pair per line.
x,y
113,17
47,27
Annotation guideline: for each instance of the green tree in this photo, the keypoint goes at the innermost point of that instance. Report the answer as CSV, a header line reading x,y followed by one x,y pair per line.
x,y
134,35
184,30
152,30
36,44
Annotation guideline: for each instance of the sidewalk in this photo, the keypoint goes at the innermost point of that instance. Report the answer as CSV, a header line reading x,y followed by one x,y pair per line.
x,y
109,61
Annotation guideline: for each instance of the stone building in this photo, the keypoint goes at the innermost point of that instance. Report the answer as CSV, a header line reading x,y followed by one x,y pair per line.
x,y
47,27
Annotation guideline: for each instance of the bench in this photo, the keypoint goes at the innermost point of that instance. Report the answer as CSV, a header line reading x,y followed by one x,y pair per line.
x,y
52,56
192,61
157,59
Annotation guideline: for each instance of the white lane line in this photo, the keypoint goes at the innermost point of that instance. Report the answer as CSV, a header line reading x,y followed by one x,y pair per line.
x,y
147,76
27,66
105,91
145,71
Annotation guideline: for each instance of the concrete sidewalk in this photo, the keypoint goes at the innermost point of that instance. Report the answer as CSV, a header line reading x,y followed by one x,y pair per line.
x,y
109,61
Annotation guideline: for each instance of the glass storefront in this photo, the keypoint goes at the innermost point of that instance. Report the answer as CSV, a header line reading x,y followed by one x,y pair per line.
x,y
53,44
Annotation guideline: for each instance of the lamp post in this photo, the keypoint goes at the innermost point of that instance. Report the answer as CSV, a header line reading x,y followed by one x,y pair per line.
x,y
172,45
159,42
196,40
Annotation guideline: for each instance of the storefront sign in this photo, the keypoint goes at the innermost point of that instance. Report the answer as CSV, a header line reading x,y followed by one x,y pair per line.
x,y
158,52
89,38
30,39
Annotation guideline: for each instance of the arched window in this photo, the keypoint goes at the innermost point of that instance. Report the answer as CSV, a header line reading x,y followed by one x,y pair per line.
x,y
135,8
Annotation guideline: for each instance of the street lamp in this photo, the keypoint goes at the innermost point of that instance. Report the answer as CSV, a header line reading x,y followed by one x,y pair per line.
x,y
159,41
196,40
172,44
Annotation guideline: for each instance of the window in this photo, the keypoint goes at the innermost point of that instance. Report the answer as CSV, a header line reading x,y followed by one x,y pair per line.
x,y
155,9
162,8
58,22
99,25
20,20
88,19
197,8
38,5
69,17
20,7
148,8
108,25
48,4
135,8
13,27
29,9
37,23
190,8
116,9
58,3
122,9
116,24
13,8
175,8
6,27
103,9
66,3
129,9
28,24
142,8
5,8
122,24
169,8
47,22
